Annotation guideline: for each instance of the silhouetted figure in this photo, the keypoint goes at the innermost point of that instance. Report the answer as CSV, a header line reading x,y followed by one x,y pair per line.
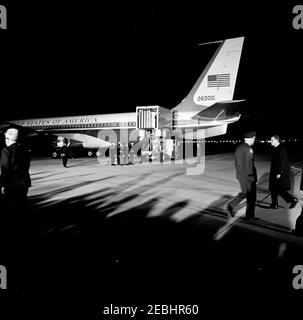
x,y
150,149
64,155
139,154
173,154
131,154
125,154
119,153
161,149
298,231
279,176
112,153
16,226
247,176
15,181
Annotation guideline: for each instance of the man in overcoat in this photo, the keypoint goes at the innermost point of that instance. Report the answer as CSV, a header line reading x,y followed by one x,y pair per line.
x,y
279,175
298,231
247,176
14,181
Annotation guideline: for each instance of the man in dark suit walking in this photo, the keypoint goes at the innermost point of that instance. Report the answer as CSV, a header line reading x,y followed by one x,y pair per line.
x,y
65,155
246,175
298,231
279,176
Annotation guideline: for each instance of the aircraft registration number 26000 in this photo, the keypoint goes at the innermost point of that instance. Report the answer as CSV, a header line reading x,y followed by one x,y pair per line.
x,y
206,98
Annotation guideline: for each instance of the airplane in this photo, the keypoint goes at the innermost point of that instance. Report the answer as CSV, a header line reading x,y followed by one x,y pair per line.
x,y
205,112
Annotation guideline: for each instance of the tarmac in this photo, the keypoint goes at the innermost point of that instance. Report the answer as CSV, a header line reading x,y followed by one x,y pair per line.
x,y
122,188
156,233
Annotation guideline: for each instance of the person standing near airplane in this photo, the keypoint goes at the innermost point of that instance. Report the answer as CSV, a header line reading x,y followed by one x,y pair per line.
x,y
279,176
246,175
298,231
112,153
131,154
15,181
15,163
119,153
64,155
161,147
125,153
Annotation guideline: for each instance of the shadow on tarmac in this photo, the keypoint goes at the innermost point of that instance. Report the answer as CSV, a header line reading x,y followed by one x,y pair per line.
x,y
79,258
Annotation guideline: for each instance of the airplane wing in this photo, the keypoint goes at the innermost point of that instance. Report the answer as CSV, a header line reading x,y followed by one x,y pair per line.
x,y
220,110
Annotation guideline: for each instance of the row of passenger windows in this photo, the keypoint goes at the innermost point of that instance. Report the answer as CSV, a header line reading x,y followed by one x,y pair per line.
x,y
84,125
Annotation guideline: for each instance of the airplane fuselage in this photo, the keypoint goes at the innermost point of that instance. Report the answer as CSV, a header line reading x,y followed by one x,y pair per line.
x,y
205,112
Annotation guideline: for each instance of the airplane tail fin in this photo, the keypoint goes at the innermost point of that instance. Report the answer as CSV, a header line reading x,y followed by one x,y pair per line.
x,y
217,81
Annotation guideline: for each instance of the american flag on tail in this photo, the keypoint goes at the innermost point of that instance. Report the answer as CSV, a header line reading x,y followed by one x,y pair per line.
x,y
218,80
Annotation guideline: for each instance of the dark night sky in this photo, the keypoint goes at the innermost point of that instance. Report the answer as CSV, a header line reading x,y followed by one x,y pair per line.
x,y
85,57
